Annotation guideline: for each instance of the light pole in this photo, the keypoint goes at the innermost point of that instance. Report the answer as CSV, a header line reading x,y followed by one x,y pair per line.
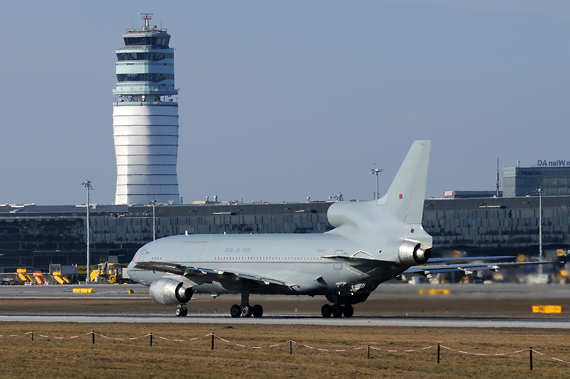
x,y
88,187
539,228
376,171
153,203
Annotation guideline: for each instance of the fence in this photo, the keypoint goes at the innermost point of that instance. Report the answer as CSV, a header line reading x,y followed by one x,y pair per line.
x,y
290,343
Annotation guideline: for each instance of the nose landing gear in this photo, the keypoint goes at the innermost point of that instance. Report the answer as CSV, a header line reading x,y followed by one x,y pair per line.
x,y
181,311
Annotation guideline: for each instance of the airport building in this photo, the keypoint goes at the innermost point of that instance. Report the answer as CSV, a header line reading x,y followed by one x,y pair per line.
x,y
145,118
553,180
34,236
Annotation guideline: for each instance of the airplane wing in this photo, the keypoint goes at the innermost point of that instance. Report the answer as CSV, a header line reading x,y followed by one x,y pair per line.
x,y
468,268
351,260
205,274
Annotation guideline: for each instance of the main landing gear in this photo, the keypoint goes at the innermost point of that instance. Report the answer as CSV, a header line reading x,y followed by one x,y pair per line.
x,y
181,311
246,311
337,310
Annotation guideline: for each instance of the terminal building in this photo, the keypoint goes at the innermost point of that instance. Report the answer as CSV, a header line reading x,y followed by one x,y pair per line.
x,y
34,236
525,181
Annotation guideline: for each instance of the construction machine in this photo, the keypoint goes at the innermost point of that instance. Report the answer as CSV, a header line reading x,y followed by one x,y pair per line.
x,y
110,272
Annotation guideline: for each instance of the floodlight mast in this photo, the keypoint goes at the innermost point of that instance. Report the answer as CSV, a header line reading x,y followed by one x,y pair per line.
x,y
88,187
153,203
540,193
376,171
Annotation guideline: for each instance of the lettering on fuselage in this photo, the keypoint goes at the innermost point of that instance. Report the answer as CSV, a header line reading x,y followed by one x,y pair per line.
x,y
237,250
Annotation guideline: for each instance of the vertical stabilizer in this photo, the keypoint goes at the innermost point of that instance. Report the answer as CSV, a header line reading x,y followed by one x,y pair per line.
x,y
405,198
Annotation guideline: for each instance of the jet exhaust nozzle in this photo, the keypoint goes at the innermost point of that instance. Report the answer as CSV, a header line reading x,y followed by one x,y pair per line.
x,y
167,291
413,253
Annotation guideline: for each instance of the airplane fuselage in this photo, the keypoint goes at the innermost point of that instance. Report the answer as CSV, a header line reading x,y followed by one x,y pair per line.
x,y
296,260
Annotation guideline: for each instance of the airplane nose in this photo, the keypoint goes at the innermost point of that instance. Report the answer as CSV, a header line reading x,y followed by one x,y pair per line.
x,y
131,271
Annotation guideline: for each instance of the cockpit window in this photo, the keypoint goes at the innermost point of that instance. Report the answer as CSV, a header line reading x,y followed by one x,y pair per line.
x,y
140,254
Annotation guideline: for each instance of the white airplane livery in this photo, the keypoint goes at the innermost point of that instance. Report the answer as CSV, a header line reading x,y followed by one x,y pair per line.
x,y
373,241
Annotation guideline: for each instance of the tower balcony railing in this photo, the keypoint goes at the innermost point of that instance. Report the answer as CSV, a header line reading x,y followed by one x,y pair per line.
x,y
159,103
142,89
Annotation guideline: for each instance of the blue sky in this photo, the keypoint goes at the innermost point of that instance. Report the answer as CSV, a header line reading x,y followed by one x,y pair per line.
x,y
280,100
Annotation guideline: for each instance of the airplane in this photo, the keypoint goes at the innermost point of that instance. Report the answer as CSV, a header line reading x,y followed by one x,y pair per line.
x,y
372,242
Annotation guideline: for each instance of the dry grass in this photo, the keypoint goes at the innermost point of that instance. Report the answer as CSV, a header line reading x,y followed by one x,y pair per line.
x,y
51,358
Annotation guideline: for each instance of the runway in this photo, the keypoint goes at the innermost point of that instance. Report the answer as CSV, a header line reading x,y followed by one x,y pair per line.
x,y
482,306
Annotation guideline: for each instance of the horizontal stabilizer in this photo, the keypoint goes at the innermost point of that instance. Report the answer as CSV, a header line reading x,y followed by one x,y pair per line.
x,y
469,259
470,267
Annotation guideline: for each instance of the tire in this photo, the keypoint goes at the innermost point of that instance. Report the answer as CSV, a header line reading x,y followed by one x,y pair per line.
x,y
257,311
235,311
336,311
179,312
326,311
348,311
246,311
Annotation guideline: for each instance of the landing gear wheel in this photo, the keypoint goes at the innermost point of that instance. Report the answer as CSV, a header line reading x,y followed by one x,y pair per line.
x,y
257,311
336,311
235,311
181,312
348,310
326,311
246,311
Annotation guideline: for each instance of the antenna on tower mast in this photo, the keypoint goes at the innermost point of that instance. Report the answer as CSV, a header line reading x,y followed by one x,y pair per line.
x,y
146,18
497,184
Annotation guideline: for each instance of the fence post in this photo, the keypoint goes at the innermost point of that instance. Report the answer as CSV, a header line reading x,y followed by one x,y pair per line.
x,y
150,339
530,351
290,347
368,351
212,340
32,336
93,337
438,353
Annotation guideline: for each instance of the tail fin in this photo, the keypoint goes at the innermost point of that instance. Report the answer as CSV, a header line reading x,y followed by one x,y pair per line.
x,y
406,195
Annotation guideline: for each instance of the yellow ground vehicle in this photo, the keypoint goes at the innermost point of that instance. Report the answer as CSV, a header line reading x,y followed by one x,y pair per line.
x,y
110,272
59,278
24,277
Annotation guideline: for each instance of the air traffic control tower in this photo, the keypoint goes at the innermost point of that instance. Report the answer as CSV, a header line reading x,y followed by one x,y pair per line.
x,y
145,118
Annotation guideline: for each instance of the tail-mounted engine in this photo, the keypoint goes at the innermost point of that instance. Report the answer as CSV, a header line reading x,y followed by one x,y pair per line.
x,y
413,253
168,291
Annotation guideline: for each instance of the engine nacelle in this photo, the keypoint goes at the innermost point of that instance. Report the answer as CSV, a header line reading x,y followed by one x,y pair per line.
x,y
168,291
413,253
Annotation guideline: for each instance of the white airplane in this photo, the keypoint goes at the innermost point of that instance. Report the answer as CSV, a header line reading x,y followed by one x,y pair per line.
x,y
373,241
